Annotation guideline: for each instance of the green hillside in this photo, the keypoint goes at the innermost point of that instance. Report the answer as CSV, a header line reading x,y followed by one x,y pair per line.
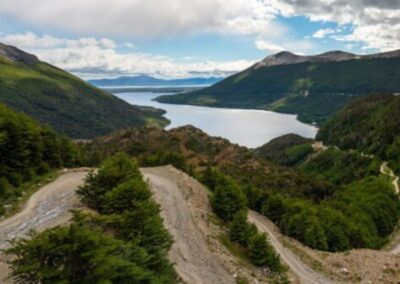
x,y
286,150
68,104
371,125
313,87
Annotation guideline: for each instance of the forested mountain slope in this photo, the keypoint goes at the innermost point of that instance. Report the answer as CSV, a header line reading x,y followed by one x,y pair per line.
x,y
314,87
369,124
57,98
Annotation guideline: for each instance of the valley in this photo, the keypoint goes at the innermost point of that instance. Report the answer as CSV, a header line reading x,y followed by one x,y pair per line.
x,y
196,253
285,172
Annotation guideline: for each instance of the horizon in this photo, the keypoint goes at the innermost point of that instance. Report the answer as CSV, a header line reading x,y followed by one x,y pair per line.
x,y
181,39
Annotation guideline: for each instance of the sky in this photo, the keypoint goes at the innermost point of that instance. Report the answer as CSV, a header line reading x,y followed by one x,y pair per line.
x,y
192,38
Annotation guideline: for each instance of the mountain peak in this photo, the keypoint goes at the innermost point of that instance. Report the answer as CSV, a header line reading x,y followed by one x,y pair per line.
x,y
335,55
281,58
14,54
286,58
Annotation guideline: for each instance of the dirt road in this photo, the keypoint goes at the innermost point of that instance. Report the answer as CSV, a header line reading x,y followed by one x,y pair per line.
x,y
304,274
48,207
195,263
389,172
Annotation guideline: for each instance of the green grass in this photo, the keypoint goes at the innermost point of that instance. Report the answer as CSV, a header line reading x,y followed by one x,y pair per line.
x,y
234,249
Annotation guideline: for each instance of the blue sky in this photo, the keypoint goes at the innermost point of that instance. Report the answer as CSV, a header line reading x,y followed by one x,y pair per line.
x,y
178,38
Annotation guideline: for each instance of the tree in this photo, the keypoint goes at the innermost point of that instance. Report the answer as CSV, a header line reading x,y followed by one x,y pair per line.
x,y
262,254
240,230
228,199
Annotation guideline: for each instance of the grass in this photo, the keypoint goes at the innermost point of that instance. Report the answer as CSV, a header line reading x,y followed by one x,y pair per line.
x,y
234,249
28,189
304,256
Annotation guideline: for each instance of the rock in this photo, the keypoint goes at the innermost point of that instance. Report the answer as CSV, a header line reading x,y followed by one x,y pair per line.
x,y
344,270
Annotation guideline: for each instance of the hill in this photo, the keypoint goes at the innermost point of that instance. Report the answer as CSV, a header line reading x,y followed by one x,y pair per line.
x,y
335,201
314,87
286,150
370,124
146,81
68,104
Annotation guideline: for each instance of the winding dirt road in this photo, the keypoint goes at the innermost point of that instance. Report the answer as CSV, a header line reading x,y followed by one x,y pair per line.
x,y
183,215
389,172
47,208
304,273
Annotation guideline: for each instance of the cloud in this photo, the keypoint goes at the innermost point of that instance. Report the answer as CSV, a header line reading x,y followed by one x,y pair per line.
x,y
375,23
270,47
93,58
300,47
138,18
30,40
323,33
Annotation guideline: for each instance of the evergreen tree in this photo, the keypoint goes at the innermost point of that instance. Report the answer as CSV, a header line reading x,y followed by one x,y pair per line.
x,y
262,254
228,199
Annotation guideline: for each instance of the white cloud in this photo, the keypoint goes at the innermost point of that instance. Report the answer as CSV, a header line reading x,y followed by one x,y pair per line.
x,y
92,58
30,40
323,33
375,23
267,46
144,18
300,47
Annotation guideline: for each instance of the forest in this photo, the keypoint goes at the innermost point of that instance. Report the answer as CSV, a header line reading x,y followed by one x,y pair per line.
x,y
28,151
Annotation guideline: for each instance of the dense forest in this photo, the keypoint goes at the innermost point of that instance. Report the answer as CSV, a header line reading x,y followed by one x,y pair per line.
x,y
331,200
313,90
369,124
121,241
27,151
63,101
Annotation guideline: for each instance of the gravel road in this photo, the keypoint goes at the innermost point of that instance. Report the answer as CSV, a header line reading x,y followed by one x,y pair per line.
x,y
304,273
195,263
47,208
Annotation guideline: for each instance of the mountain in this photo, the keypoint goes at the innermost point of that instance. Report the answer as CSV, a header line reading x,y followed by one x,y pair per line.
x,y
144,80
314,87
57,98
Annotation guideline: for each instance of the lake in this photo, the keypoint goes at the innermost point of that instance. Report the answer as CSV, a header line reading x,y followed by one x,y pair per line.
x,y
250,128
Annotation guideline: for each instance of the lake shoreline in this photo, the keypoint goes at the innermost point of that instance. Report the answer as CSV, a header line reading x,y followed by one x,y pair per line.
x,y
250,128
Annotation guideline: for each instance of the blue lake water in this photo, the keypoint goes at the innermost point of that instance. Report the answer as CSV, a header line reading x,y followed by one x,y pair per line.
x,y
250,128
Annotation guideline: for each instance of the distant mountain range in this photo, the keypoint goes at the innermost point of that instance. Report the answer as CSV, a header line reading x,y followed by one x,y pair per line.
x,y
314,87
148,81
63,101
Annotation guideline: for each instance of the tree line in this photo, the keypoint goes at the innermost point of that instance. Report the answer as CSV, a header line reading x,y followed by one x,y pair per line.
x,y
28,150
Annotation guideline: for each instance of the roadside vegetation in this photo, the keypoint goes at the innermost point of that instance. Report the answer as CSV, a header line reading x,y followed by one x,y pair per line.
x,y
229,203
121,239
28,152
